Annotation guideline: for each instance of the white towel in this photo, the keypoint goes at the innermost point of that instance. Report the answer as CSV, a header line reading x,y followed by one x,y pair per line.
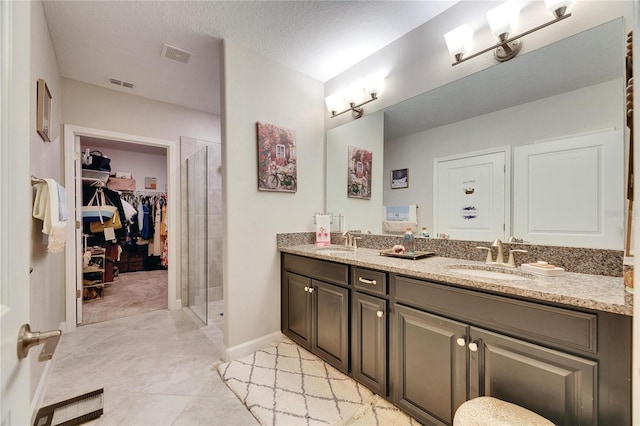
x,y
397,213
48,209
63,213
323,228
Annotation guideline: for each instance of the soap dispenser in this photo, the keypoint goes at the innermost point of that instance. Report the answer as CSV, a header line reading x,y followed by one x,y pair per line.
x,y
424,232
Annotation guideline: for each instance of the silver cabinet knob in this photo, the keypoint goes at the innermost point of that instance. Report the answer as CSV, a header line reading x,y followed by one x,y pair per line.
x,y
306,288
461,342
473,346
310,289
379,314
366,281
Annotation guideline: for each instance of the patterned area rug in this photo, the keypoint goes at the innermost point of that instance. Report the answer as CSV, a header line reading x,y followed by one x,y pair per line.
x,y
287,385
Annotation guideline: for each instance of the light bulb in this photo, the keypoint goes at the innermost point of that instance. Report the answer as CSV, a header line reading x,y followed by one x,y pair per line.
x,y
459,41
503,18
558,7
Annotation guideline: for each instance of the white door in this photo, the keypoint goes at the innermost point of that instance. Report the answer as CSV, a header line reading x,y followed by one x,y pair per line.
x,y
16,91
570,191
471,195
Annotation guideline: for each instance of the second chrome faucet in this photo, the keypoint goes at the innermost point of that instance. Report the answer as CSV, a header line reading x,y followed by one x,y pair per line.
x,y
511,263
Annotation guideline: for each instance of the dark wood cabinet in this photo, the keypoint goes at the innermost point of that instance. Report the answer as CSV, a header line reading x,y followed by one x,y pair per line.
x,y
451,344
558,386
430,346
315,313
132,258
369,341
430,380
330,323
296,313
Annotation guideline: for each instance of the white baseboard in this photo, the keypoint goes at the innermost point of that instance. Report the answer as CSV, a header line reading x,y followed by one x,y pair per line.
x,y
251,346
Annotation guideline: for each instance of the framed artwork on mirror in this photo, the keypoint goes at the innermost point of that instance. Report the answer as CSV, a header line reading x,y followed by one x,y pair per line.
x,y
359,177
399,178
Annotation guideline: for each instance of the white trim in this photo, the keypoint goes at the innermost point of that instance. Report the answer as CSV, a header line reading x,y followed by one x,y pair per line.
x,y
246,348
173,193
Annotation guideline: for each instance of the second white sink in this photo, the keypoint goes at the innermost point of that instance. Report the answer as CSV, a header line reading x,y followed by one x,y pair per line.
x,y
337,251
496,275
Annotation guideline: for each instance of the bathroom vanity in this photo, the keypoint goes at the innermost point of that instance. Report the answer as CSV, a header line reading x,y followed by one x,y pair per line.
x,y
428,337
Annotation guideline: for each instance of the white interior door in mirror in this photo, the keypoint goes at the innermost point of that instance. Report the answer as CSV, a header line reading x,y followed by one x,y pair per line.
x,y
471,193
569,191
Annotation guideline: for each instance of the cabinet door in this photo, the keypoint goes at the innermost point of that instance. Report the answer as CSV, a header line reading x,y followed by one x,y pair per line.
x,y
430,371
369,342
556,385
296,308
331,324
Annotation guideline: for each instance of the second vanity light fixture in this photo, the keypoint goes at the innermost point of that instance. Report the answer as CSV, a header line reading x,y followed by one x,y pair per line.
x,y
355,96
502,21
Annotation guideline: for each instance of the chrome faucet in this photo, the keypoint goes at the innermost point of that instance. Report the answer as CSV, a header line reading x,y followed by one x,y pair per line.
x,y
511,263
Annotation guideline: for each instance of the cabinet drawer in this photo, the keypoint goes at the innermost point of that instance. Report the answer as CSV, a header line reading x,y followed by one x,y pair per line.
x,y
336,273
369,281
136,266
546,324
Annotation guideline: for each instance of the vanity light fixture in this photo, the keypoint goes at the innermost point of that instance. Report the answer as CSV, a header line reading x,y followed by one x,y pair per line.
x,y
502,21
355,96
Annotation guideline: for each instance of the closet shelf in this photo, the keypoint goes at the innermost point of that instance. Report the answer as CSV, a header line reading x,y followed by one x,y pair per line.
x,y
89,175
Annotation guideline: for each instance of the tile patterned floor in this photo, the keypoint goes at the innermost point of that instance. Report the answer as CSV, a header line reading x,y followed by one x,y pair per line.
x,y
156,368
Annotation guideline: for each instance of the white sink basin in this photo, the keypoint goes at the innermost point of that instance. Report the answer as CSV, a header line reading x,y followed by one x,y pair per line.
x,y
337,251
496,275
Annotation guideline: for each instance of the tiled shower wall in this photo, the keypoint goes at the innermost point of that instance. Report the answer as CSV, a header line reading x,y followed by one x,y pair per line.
x,y
188,147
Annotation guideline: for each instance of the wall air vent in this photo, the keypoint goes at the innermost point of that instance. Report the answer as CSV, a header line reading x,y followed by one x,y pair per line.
x,y
176,53
119,82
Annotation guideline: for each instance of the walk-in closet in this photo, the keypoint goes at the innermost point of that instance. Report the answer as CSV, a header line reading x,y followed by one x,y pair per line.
x,y
125,232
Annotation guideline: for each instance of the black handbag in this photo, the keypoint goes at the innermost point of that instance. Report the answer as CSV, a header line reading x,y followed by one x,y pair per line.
x,y
96,161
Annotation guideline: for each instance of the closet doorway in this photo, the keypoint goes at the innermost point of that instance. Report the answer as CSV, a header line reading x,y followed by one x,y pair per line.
x,y
124,259
166,189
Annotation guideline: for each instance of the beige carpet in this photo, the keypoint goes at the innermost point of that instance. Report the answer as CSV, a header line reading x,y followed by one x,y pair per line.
x,y
284,384
132,293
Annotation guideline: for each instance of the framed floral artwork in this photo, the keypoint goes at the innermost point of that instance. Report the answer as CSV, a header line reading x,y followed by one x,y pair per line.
x,y
276,158
359,173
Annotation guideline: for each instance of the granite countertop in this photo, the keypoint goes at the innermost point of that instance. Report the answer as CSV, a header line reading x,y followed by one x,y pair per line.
x,y
597,292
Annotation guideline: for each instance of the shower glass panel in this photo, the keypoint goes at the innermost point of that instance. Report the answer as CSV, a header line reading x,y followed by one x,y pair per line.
x,y
196,212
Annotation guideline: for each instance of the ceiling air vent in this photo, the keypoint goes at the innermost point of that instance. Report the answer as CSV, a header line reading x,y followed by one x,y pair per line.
x,y
119,82
176,53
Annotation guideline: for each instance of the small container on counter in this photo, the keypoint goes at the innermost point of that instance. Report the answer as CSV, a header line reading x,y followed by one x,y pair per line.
x,y
409,242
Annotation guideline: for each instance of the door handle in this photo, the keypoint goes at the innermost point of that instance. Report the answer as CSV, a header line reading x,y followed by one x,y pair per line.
x,y
366,281
27,339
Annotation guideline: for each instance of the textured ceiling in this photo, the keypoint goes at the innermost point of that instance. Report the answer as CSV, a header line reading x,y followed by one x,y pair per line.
x,y
94,40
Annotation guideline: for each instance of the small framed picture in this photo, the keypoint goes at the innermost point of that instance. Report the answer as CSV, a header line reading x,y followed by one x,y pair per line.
x,y
150,183
43,119
399,178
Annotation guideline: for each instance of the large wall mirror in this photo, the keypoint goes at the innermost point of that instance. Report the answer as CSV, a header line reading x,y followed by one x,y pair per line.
x,y
570,88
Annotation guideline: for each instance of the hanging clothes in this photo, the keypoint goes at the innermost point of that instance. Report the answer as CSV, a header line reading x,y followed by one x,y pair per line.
x,y
146,231
163,225
157,247
164,258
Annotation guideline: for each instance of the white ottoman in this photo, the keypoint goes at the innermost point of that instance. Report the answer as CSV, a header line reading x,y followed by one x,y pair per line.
x,y
488,411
